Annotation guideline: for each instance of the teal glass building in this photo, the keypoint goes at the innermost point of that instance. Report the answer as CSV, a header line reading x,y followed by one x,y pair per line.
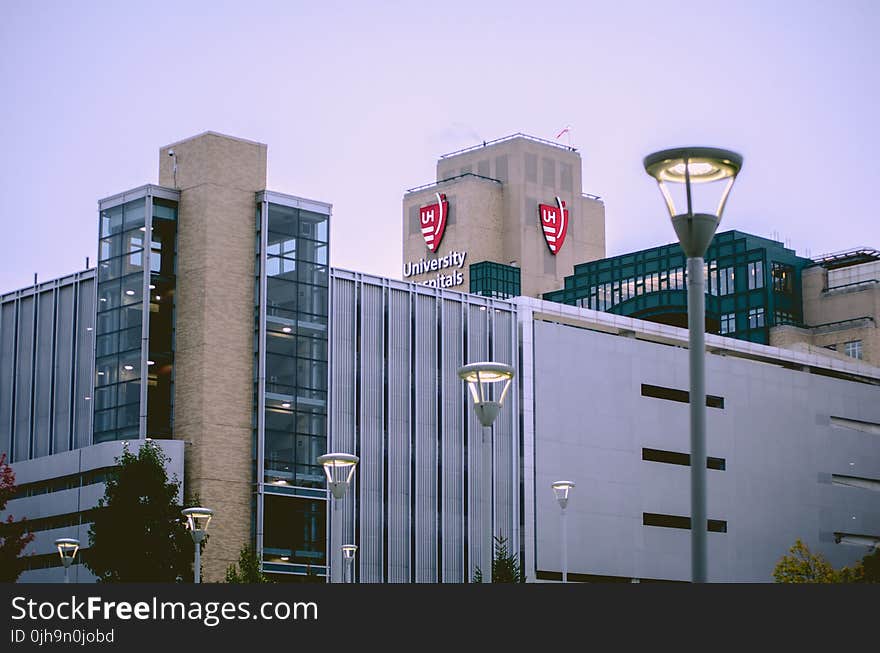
x,y
752,283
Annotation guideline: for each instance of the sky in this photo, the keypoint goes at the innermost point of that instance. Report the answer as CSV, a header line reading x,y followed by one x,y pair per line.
x,y
357,100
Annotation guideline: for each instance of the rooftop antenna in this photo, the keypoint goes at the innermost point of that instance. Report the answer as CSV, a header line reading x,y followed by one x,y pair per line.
x,y
173,155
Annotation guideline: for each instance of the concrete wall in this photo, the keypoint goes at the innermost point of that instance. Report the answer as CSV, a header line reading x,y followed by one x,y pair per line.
x,y
218,177
775,433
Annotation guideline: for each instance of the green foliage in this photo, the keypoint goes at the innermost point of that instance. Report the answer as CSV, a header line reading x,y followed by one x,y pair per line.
x,y
871,567
138,534
505,565
13,534
800,565
248,570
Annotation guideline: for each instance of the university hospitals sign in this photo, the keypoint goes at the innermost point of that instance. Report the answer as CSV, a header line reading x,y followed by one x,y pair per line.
x,y
443,279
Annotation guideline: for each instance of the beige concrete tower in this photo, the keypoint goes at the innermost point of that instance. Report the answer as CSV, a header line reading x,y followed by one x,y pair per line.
x,y
493,194
217,177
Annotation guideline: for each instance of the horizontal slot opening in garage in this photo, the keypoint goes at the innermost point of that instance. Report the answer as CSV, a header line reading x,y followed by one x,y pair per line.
x,y
683,396
677,458
677,521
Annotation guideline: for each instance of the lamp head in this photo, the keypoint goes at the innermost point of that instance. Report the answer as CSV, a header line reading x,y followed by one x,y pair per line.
x,y
67,548
561,490
689,172
480,378
348,551
339,468
197,520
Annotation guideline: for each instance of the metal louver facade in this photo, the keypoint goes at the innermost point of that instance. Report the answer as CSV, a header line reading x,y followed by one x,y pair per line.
x,y
432,486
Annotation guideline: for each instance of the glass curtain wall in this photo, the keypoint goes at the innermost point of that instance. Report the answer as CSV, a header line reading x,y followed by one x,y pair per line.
x,y
651,284
291,383
129,272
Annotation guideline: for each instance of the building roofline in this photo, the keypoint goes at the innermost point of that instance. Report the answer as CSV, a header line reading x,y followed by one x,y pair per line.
x,y
511,137
212,133
549,311
40,286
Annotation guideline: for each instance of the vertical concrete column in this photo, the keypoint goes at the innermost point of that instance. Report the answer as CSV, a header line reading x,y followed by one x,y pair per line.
x,y
218,177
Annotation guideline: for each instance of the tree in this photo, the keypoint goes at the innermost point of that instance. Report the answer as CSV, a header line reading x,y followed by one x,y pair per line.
x,y
248,568
13,534
137,534
505,565
800,565
871,566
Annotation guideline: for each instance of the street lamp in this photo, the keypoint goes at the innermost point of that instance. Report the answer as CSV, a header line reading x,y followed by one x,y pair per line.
x,y
560,491
339,468
197,520
698,172
67,548
481,378
348,551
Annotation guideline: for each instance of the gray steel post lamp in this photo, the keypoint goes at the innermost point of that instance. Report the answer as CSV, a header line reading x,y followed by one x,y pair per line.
x,y
348,551
67,548
481,379
197,520
561,490
695,175
338,468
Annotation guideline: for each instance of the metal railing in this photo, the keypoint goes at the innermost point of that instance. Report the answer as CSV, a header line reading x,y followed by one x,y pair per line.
x,y
850,285
839,325
508,138
866,253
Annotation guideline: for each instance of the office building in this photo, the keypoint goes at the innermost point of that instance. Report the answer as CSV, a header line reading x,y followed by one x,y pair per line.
x,y
515,202
214,325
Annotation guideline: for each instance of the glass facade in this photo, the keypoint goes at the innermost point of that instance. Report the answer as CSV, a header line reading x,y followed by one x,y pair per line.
x,y
135,315
494,280
741,300
291,380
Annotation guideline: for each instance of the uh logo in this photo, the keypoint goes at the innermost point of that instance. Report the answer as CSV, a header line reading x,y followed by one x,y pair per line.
x,y
433,221
554,222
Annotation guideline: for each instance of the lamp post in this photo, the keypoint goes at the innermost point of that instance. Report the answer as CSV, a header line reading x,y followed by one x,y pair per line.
x,y
67,548
348,551
694,170
481,378
560,491
338,468
197,520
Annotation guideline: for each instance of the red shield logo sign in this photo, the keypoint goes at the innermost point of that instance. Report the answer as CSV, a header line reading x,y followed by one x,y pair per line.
x,y
554,222
433,221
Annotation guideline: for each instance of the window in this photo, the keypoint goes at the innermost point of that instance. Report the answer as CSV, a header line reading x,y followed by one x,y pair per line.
x,y
756,318
725,281
783,317
853,349
756,275
783,278
710,276
728,323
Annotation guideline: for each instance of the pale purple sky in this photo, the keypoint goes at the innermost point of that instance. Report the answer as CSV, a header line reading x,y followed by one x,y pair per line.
x,y
357,100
